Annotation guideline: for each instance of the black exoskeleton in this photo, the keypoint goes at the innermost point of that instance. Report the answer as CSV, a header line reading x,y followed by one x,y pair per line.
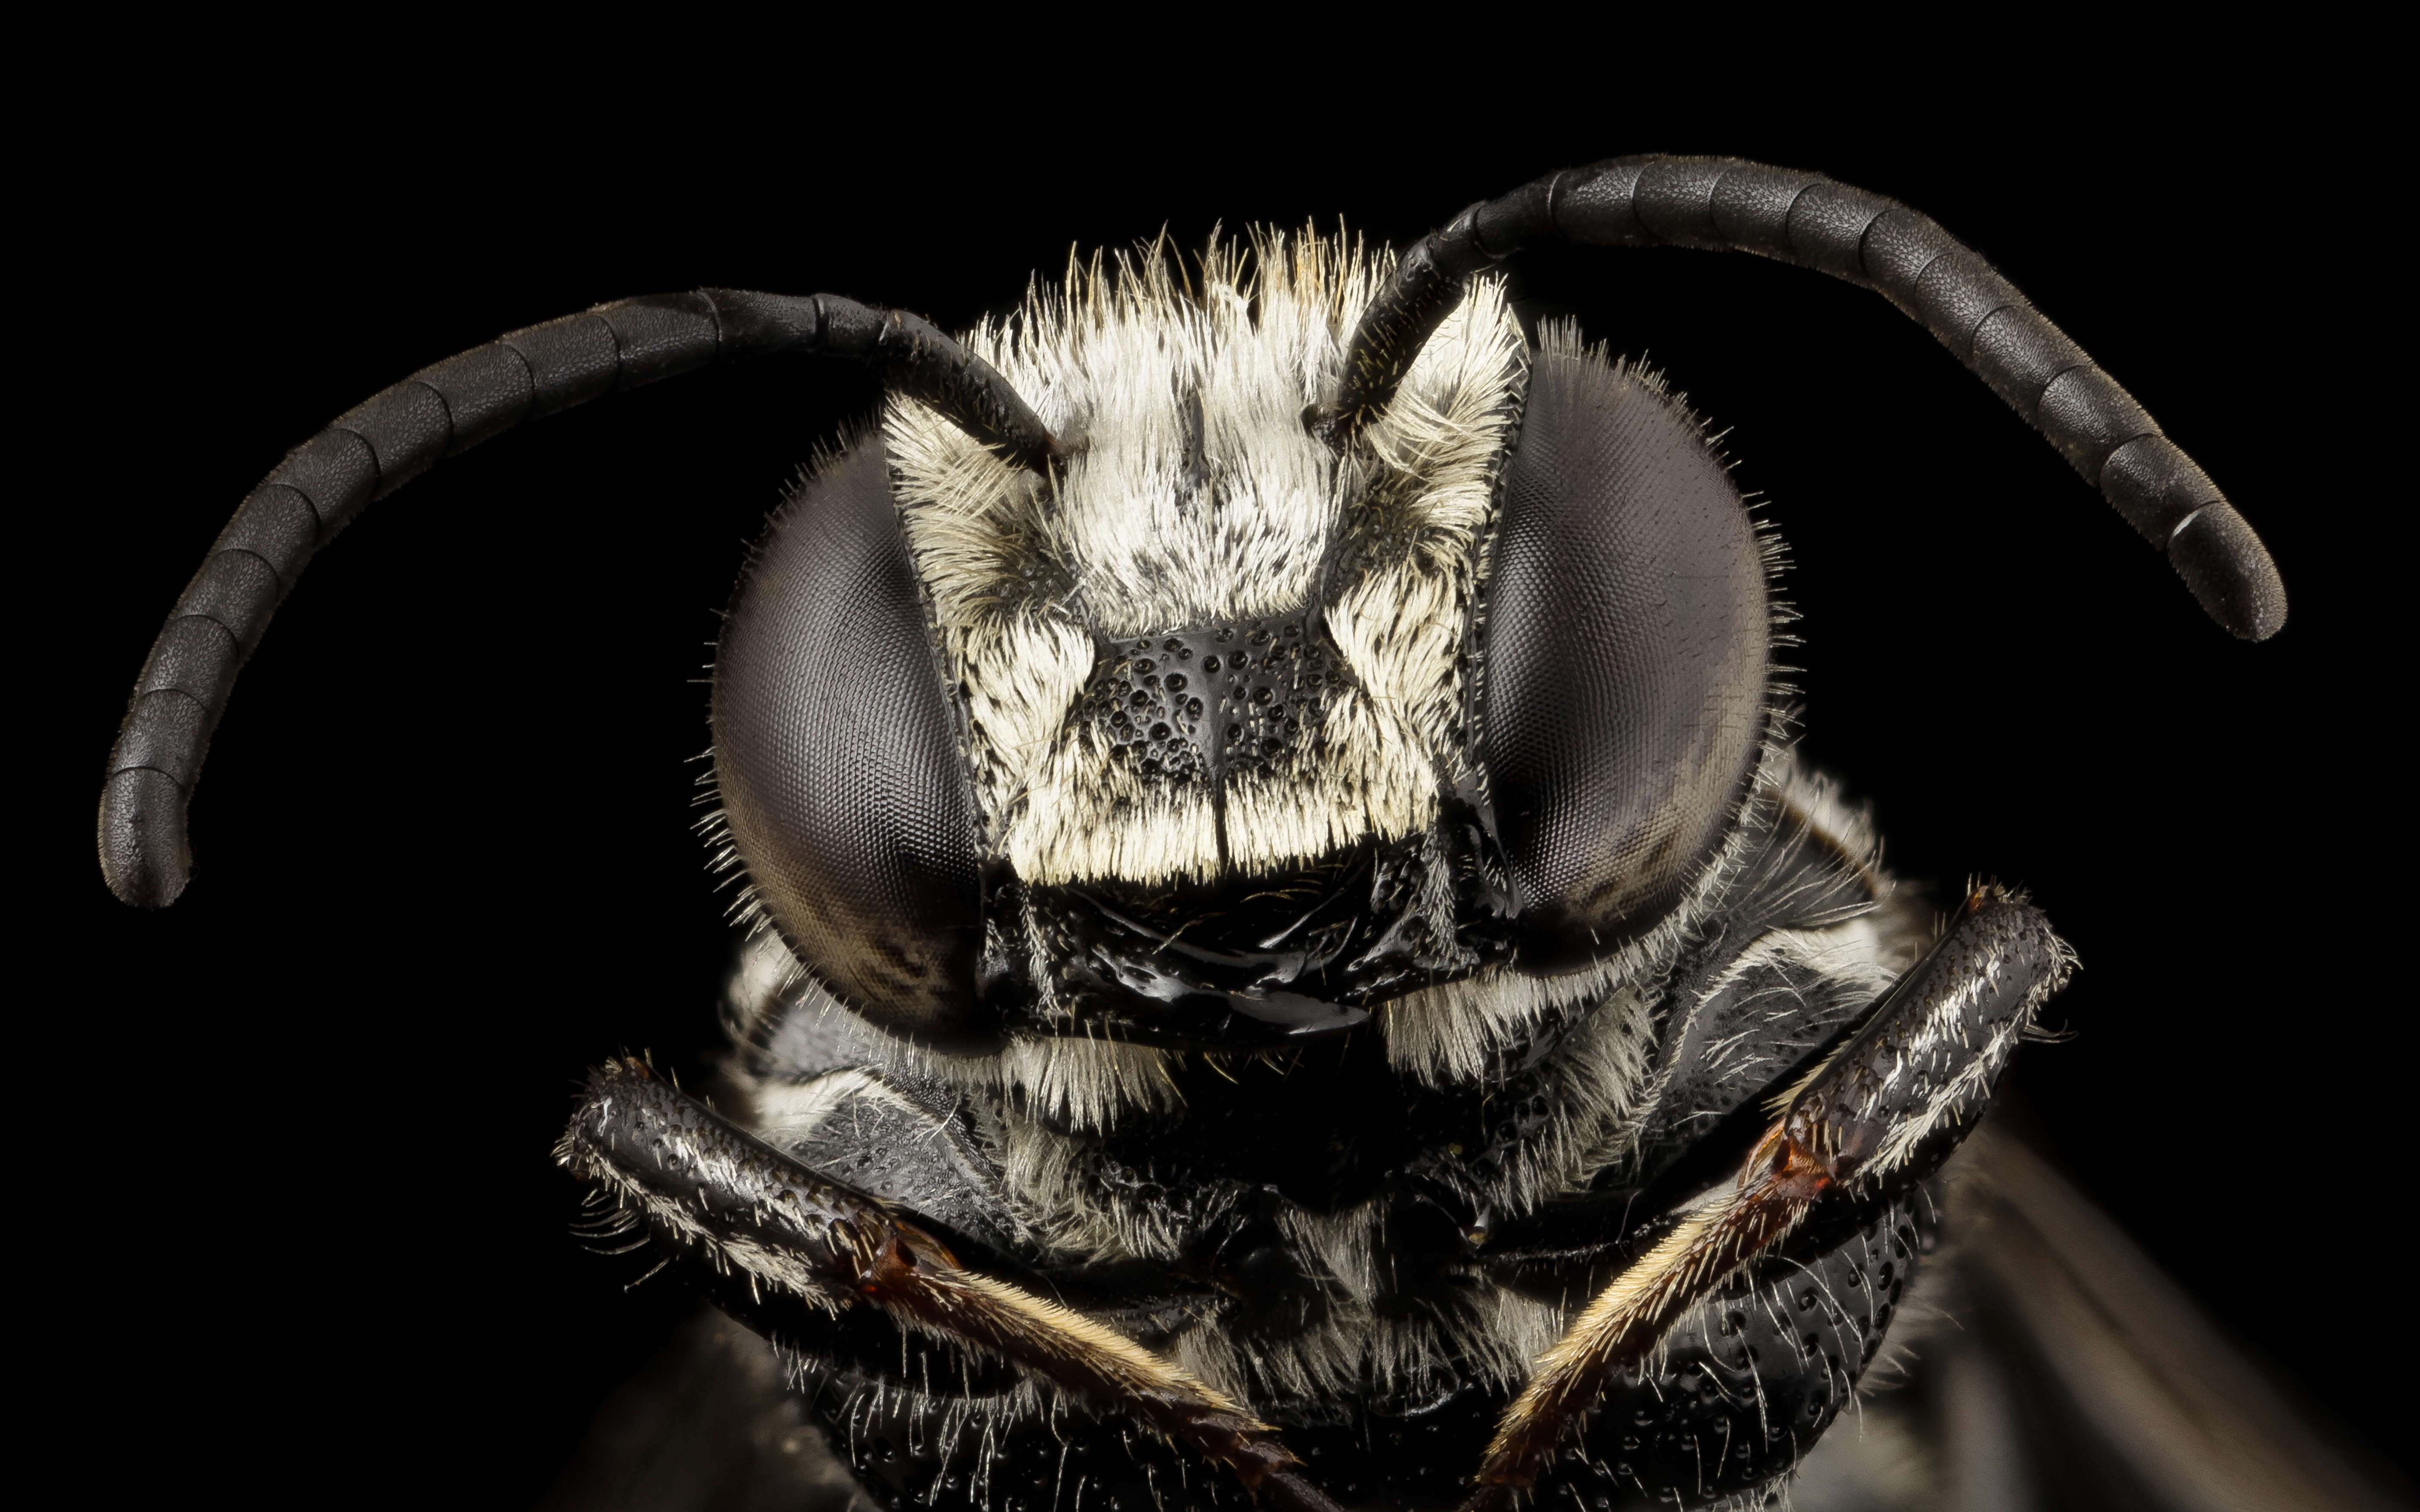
x,y
1292,960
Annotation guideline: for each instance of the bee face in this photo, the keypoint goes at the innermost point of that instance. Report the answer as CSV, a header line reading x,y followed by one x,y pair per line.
x,y
1216,736
1480,795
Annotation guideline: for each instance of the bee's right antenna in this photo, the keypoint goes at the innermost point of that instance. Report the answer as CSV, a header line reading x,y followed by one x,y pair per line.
x,y
1727,204
401,432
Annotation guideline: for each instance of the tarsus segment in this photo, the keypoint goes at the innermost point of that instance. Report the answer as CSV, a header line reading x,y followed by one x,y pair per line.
x,y
1724,204
1887,1108
717,1194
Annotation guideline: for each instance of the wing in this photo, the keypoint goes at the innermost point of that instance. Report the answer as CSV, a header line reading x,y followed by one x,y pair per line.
x,y
2059,1368
708,1426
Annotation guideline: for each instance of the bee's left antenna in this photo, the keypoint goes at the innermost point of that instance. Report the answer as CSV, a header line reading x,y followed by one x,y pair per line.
x,y
378,446
1721,203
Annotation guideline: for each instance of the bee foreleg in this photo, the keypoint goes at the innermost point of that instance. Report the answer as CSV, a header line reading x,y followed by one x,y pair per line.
x,y
714,1192
1880,1112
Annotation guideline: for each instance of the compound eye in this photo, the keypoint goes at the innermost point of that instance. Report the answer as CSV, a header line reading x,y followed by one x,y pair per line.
x,y
839,764
1623,704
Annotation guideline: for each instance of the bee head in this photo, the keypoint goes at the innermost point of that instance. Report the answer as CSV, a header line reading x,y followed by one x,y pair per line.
x,y
1217,734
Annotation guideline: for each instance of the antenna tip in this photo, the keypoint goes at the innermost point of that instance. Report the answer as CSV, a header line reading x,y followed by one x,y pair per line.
x,y
144,857
2231,571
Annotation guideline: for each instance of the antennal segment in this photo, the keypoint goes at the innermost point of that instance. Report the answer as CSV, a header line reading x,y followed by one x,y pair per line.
x,y
384,444
1724,204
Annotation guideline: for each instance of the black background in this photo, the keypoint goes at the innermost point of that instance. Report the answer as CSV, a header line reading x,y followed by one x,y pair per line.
x,y
301,1210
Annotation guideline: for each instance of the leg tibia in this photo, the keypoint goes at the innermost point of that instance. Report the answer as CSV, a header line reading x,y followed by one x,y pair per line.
x,y
1873,1119
725,1202
1928,1058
